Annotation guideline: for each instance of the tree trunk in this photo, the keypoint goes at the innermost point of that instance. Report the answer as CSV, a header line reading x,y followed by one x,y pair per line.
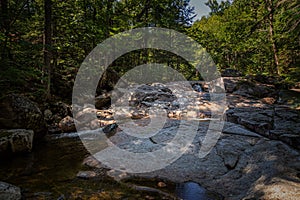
x,y
271,8
4,27
47,68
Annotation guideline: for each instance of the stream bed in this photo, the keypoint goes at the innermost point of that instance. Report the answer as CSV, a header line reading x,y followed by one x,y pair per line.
x,y
49,172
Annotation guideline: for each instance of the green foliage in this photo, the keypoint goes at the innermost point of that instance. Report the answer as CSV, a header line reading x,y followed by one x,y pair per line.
x,y
237,35
77,27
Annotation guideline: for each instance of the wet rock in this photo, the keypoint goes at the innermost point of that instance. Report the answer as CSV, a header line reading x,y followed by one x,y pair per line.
x,y
103,100
92,162
161,184
16,141
148,95
18,112
9,192
54,112
86,174
67,125
198,87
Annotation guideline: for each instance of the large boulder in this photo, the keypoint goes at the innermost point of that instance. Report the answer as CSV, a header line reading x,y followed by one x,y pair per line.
x,y
245,164
15,141
279,122
9,192
18,112
256,90
103,100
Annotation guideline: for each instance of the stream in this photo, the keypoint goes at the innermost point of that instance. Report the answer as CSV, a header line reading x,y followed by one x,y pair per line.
x,y
49,172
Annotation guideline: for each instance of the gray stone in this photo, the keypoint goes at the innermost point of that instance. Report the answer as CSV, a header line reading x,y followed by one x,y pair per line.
x,y
280,123
240,162
86,174
9,192
236,129
257,90
16,140
18,112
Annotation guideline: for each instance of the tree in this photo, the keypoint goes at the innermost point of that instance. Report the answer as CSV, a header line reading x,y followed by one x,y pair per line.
x,y
256,37
47,45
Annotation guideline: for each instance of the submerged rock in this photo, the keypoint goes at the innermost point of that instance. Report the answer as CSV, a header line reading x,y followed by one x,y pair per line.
x,y
9,192
15,141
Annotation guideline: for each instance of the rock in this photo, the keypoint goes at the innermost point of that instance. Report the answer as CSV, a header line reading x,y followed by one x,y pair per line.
x,y
9,192
151,95
86,174
230,83
246,161
161,184
241,161
264,79
268,100
236,164
16,141
251,89
92,162
197,87
280,123
48,115
103,100
67,125
236,129
54,129
54,112
255,119
18,112
61,109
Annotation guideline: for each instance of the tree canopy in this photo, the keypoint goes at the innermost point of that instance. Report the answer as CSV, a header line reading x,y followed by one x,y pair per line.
x,y
43,42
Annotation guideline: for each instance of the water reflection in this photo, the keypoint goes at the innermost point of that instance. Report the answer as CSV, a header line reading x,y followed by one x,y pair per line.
x,y
193,191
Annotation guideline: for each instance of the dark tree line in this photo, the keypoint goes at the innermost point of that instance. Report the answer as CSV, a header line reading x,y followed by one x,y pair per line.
x,y
43,42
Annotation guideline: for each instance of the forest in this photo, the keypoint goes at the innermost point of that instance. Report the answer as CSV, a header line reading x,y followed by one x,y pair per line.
x,y
143,133
43,43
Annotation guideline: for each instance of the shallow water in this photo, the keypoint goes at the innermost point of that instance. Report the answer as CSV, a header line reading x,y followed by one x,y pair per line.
x,y
193,191
49,172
